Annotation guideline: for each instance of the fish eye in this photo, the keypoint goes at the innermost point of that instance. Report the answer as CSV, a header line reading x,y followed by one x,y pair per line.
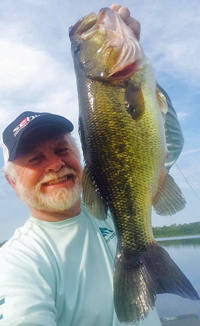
x,y
77,49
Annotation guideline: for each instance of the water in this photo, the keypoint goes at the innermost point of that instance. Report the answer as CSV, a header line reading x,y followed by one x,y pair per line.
x,y
185,251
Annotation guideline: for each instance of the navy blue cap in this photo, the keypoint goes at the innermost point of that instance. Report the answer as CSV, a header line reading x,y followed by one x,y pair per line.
x,y
28,122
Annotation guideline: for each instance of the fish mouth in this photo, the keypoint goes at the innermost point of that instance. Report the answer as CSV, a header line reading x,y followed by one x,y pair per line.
x,y
123,40
117,36
87,23
125,73
83,25
58,180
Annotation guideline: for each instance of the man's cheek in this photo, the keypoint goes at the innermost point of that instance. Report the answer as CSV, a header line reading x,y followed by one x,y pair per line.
x,y
74,163
30,178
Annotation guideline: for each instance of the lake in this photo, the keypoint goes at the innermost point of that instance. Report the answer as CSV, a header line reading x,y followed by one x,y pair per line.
x,y
185,251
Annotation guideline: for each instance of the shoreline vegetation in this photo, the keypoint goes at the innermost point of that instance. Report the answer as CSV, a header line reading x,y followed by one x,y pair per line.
x,y
177,230
171,231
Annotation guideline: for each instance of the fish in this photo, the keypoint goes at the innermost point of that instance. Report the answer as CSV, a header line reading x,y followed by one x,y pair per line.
x,y
121,126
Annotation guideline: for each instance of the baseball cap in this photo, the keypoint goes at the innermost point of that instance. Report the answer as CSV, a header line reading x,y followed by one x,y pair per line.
x,y
28,123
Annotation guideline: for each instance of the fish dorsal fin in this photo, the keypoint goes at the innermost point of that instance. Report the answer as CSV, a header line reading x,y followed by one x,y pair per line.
x,y
161,101
92,198
169,198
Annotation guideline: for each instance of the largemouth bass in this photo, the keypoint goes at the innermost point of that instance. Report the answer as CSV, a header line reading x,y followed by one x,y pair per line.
x,y
121,126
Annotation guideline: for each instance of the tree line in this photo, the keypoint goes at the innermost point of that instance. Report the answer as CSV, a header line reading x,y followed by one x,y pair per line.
x,y
177,230
172,230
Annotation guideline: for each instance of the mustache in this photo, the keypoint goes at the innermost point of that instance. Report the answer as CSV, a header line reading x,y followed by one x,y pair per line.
x,y
55,175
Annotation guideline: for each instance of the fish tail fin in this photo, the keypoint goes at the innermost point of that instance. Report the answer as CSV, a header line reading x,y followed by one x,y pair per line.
x,y
138,278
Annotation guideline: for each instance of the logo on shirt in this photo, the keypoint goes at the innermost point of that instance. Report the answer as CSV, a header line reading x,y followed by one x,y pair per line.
x,y
107,234
2,301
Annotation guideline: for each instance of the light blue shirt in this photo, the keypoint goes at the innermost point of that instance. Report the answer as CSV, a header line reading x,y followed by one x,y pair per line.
x,y
61,274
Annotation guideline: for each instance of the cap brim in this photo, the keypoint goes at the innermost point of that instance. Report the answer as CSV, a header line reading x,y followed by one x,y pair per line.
x,y
52,123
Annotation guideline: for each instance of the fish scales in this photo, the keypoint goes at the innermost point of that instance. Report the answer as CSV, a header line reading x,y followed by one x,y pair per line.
x,y
122,149
123,140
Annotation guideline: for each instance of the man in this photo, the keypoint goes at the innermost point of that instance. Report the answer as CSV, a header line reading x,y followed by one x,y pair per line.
x,y
58,268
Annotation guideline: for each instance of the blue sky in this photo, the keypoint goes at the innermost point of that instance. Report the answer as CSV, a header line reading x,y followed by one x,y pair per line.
x,y
37,74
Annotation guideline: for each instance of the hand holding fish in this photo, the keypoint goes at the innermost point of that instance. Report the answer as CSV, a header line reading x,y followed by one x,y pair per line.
x,y
131,22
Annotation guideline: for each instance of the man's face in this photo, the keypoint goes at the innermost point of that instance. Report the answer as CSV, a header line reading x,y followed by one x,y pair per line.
x,y
49,175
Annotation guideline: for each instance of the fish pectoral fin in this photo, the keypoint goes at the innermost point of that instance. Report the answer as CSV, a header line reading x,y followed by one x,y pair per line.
x,y
92,198
161,101
169,199
134,101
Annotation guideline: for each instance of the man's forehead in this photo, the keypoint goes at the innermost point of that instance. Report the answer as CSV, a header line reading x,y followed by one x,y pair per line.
x,y
41,144
53,141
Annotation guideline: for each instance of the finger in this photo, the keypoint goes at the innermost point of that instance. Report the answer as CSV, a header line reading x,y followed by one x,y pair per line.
x,y
115,7
134,25
124,13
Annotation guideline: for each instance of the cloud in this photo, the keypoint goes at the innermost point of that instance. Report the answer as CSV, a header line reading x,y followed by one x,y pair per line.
x,y
32,80
19,65
191,151
179,59
32,74
187,177
24,66
182,115
171,41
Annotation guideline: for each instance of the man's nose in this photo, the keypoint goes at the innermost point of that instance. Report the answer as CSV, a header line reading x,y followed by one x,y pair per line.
x,y
54,164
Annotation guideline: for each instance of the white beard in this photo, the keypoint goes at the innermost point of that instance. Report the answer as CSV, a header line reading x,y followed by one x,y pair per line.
x,y
60,200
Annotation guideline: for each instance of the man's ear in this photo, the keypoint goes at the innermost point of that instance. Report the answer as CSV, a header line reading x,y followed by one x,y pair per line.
x,y
11,182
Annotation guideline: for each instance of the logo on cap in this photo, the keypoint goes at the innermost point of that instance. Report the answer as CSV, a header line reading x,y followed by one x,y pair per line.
x,y
24,123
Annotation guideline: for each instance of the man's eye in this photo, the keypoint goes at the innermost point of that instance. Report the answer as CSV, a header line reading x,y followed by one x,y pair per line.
x,y
34,160
63,151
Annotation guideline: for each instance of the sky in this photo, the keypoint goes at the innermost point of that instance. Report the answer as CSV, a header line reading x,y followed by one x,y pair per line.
x,y
37,74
